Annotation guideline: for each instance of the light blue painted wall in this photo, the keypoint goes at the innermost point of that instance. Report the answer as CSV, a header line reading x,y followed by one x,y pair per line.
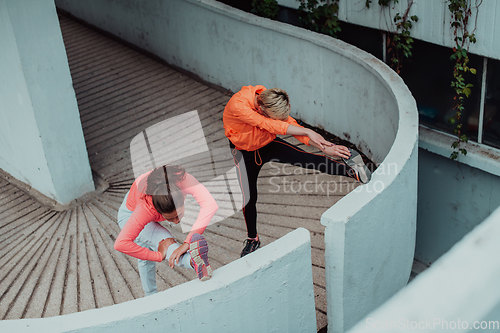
x,y
376,243
458,293
371,234
331,84
434,21
277,280
41,136
20,144
231,48
453,199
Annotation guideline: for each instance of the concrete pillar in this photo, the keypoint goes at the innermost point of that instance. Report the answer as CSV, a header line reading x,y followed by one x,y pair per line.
x,y
41,137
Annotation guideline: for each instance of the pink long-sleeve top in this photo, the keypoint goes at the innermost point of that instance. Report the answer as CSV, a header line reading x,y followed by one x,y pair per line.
x,y
144,213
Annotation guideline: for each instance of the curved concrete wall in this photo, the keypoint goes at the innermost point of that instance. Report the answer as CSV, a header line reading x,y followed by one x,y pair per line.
x,y
330,82
370,234
277,278
370,241
459,292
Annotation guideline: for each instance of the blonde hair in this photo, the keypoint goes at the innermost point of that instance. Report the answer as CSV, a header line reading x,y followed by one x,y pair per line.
x,y
275,103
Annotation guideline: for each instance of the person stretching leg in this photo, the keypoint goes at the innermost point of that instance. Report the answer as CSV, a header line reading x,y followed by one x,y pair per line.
x,y
252,118
158,196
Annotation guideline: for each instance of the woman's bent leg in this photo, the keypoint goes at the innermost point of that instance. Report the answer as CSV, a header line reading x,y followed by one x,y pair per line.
x,y
147,269
184,260
154,232
149,238
147,272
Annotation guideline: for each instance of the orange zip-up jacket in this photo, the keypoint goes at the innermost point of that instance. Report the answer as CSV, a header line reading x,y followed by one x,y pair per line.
x,y
247,128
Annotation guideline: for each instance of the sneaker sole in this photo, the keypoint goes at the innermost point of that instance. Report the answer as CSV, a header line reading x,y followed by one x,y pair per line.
x,y
356,163
199,253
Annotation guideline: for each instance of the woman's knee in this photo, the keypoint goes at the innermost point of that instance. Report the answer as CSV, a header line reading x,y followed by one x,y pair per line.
x,y
166,243
172,246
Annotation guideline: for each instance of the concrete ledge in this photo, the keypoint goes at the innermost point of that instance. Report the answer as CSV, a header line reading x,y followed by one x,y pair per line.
x,y
276,280
459,292
478,156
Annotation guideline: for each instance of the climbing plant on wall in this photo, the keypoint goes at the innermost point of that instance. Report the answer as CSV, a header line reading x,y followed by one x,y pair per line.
x,y
461,11
266,8
399,41
320,16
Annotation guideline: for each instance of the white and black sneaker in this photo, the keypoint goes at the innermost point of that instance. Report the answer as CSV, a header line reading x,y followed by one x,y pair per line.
x,y
356,168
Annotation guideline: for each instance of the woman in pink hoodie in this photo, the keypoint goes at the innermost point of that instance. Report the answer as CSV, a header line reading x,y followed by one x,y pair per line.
x,y
156,196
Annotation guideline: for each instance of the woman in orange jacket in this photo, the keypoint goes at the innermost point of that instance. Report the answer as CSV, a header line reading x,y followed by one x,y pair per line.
x,y
252,119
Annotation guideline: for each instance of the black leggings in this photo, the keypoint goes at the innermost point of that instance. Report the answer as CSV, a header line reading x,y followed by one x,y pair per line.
x,y
281,151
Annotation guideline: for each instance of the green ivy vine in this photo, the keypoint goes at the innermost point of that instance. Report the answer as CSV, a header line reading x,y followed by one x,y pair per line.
x,y
461,10
320,16
399,42
266,8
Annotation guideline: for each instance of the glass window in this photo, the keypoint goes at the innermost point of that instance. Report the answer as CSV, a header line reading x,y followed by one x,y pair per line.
x,y
428,74
369,40
491,122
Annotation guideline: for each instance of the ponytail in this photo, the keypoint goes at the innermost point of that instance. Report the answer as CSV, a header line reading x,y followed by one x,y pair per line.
x,y
161,185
